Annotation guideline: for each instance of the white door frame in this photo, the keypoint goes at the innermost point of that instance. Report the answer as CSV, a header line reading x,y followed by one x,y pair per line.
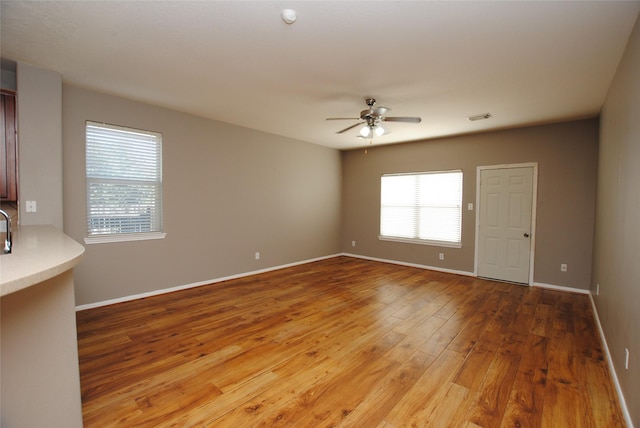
x,y
534,200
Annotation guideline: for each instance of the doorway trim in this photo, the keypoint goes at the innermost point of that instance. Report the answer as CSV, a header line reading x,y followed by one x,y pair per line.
x,y
534,205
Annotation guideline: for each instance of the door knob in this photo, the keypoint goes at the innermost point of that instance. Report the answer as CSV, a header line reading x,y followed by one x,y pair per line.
x,y
526,235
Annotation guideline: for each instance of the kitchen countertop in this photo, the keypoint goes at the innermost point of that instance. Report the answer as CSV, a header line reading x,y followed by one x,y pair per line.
x,y
39,253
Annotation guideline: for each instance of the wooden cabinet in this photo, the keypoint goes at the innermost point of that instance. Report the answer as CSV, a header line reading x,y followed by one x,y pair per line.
x,y
8,151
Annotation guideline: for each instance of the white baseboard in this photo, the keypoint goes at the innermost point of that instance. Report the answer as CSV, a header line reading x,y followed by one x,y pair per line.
x,y
560,288
396,262
241,275
465,273
614,375
196,284
244,274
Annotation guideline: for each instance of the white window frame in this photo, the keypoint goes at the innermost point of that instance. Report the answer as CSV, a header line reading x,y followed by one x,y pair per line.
x,y
130,160
412,204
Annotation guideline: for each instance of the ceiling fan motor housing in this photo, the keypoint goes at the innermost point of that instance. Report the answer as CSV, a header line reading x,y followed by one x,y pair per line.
x,y
372,117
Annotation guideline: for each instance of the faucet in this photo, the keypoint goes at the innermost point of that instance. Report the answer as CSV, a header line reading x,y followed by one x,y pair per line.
x,y
7,242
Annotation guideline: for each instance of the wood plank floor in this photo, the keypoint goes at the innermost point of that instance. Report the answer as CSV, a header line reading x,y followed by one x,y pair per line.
x,y
350,343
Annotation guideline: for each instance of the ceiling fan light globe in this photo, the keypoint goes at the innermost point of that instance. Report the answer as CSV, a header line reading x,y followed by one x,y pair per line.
x,y
366,131
379,131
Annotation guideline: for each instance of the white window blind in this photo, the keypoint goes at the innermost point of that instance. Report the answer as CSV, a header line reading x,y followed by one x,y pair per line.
x,y
422,207
124,183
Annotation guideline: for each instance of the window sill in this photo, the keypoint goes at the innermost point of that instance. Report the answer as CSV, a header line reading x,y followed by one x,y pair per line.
x,y
421,242
123,237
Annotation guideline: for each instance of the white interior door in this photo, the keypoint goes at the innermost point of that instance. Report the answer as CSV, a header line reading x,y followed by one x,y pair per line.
x,y
504,223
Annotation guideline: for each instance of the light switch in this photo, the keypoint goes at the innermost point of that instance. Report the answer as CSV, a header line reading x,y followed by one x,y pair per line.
x,y
470,206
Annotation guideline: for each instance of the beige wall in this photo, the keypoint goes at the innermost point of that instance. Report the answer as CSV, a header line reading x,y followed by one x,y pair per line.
x,y
617,237
566,154
39,98
229,192
40,378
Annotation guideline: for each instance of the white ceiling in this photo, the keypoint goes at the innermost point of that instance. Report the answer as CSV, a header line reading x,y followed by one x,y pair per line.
x,y
525,62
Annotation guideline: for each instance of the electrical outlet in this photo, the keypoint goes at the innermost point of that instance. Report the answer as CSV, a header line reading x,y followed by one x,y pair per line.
x,y
257,255
31,207
626,358
563,267
353,243
441,256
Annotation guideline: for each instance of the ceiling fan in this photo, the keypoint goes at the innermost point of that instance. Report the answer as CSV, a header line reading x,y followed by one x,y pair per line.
x,y
372,119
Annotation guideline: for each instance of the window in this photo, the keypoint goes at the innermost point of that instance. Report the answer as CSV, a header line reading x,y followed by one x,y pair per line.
x,y
124,184
423,208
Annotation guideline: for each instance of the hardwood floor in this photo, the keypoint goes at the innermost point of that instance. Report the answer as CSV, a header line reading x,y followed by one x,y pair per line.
x,y
350,343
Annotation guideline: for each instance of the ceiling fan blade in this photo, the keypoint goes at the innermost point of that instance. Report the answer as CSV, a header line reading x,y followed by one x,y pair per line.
x,y
342,118
402,119
349,127
379,111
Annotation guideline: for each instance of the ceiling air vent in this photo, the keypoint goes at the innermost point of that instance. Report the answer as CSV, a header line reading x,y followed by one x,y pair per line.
x,y
482,116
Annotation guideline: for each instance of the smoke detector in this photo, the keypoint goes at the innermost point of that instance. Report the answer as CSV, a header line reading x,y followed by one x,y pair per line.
x,y
289,16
